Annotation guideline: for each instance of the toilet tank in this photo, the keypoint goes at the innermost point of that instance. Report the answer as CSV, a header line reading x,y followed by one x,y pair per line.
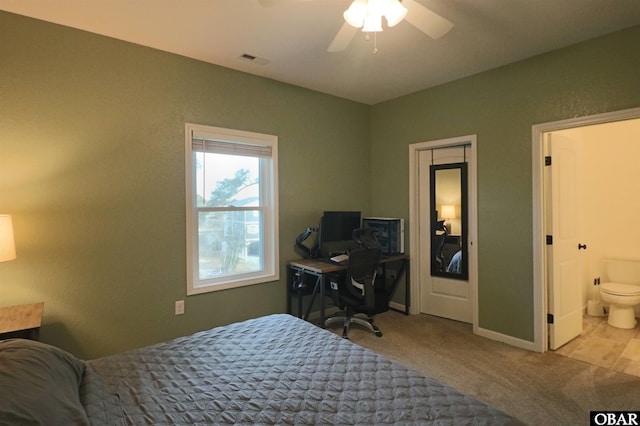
x,y
623,270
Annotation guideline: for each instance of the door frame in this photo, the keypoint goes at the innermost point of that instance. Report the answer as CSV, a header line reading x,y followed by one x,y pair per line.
x,y
414,216
540,267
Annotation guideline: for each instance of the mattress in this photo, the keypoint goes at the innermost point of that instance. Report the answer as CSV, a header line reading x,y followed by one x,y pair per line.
x,y
276,369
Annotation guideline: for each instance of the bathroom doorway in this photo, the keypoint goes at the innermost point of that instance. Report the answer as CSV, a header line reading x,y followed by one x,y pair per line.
x,y
607,147
599,344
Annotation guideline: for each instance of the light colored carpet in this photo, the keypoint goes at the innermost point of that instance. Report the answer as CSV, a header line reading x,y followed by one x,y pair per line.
x,y
538,389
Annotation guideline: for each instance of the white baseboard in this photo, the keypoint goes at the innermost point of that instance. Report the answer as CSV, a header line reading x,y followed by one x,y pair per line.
x,y
509,340
489,334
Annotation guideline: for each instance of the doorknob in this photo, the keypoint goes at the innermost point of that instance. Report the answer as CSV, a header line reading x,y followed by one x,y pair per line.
x,y
582,246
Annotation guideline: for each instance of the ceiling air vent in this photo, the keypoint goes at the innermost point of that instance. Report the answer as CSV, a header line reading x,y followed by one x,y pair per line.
x,y
254,59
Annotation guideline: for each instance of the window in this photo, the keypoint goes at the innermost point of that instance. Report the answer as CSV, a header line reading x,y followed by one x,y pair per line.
x,y
232,208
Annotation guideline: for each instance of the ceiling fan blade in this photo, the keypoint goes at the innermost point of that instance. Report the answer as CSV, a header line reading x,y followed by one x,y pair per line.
x,y
430,23
269,3
343,38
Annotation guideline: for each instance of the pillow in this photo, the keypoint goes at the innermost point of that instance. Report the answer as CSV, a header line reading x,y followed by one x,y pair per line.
x,y
39,384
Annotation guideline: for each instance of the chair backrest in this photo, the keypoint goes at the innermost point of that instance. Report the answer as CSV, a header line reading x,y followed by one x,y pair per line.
x,y
365,237
361,273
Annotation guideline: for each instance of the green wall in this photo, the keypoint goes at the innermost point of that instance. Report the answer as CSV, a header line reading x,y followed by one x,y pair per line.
x,y
92,170
500,106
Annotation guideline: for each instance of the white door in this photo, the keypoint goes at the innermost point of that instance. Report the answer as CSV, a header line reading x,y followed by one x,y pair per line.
x,y
440,296
564,283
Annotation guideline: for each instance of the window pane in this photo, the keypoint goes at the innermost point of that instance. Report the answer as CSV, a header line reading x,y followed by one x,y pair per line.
x,y
232,208
227,180
229,243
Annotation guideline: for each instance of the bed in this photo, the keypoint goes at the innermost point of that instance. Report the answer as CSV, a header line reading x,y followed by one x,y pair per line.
x,y
276,369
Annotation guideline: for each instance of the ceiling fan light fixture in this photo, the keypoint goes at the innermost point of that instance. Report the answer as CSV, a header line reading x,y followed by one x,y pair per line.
x,y
372,24
395,12
367,14
356,13
377,7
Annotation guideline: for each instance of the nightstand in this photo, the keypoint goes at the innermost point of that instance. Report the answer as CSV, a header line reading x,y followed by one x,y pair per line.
x,y
21,321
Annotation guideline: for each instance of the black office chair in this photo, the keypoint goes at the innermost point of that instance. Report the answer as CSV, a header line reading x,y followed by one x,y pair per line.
x,y
356,294
365,237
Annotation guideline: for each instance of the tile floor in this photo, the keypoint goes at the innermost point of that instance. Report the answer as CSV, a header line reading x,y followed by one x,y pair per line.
x,y
606,346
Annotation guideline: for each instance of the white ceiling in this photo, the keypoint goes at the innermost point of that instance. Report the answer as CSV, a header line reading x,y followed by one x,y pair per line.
x,y
293,37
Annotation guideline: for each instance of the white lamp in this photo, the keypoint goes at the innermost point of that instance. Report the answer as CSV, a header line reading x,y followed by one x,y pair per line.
x,y
448,212
7,243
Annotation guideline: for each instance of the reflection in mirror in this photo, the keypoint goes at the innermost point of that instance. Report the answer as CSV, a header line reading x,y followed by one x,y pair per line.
x,y
449,220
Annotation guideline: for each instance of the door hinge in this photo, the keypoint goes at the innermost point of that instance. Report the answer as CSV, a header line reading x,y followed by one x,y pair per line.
x,y
547,160
549,240
549,318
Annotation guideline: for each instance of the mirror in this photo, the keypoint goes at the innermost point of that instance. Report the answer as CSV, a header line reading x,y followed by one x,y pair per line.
x,y
449,221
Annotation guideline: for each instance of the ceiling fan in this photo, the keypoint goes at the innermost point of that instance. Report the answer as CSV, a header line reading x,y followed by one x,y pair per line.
x,y
430,23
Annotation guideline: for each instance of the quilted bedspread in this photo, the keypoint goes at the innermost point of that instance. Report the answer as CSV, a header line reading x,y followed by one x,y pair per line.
x,y
276,369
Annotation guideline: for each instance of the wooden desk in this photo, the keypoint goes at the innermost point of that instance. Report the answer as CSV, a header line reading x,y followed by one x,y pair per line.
x,y
317,269
21,321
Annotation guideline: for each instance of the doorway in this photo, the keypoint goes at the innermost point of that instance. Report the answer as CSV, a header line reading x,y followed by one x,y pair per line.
x,y
443,293
595,178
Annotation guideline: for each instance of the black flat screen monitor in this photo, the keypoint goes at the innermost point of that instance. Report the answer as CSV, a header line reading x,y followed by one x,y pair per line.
x,y
336,227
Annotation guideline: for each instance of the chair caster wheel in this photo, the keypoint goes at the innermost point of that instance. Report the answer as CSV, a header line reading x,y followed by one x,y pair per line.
x,y
379,333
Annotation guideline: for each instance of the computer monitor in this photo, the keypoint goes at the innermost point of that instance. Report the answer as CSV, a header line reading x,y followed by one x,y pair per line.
x,y
336,229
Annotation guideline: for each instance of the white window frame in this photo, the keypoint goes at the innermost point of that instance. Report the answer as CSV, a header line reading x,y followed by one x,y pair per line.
x,y
269,207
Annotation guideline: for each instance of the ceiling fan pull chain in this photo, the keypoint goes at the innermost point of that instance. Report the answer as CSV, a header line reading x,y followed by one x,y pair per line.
x,y
375,43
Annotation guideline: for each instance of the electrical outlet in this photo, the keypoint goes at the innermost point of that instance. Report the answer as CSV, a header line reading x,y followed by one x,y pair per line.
x,y
179,307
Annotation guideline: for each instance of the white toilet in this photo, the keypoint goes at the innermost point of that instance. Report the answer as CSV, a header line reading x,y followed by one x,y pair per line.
x,y
622,291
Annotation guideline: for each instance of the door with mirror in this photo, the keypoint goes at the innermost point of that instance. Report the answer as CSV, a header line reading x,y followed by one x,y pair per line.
x,y
444,228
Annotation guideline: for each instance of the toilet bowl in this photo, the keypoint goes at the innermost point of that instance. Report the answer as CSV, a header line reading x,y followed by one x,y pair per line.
x,y
622,291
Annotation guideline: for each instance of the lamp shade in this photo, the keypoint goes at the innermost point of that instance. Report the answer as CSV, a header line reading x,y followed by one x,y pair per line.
x,y
356,13
448,212
7,244
395,12
372,24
